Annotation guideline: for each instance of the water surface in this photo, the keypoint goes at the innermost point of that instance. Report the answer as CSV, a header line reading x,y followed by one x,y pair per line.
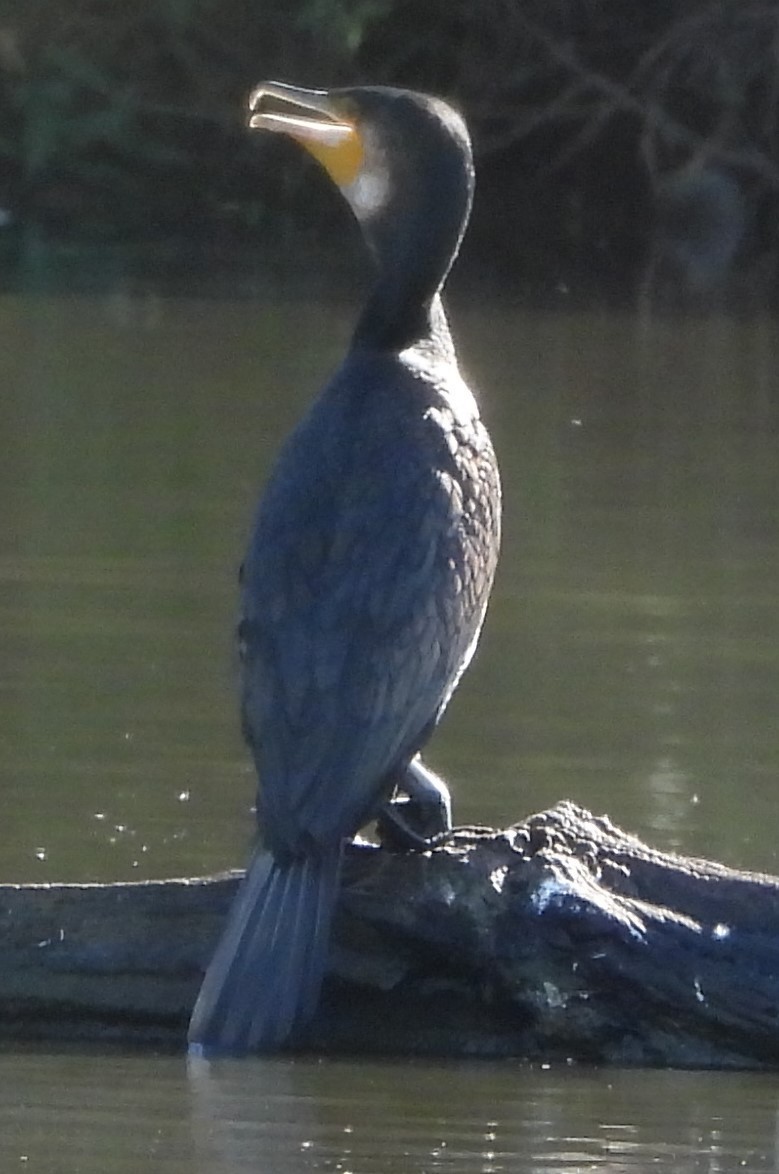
x,y
630,662
114,1114
631,656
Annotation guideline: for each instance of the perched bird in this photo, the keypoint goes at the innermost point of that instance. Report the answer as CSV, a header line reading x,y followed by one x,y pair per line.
x,y
371,560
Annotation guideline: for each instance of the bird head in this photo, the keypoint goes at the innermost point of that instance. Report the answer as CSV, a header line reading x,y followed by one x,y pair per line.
x,y
401,159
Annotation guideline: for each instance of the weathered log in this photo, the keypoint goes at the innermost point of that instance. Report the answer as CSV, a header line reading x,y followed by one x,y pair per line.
x,y
561,937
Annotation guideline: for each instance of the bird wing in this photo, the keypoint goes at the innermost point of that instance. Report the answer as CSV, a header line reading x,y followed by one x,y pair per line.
x,y
360,607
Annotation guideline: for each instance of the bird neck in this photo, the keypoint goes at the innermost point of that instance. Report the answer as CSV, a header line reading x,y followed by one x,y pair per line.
x,y
405,304
389,322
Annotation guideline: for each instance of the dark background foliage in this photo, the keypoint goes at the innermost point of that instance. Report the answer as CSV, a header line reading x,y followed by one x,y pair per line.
x,y
600,125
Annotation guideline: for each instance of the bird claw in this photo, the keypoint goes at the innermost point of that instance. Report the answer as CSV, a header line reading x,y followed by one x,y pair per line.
x,y
421,818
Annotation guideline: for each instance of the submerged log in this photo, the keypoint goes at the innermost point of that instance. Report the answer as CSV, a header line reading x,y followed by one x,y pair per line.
x,y
561,937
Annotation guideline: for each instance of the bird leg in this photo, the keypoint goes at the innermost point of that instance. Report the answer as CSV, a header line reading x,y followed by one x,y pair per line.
x,y
419,818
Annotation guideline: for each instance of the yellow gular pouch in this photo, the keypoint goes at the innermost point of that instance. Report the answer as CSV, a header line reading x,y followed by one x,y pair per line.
x,y
341,156
335,143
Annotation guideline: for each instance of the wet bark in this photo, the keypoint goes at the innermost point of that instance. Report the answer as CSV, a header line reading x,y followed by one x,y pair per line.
x,y
561,937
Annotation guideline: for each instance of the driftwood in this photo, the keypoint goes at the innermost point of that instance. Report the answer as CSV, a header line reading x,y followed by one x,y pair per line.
x,y
561,937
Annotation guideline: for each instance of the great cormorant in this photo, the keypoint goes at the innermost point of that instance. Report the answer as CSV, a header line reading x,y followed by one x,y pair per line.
x,y
371,560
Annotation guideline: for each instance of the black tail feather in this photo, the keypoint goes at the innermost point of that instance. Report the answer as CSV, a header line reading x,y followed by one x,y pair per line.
x,y
266,973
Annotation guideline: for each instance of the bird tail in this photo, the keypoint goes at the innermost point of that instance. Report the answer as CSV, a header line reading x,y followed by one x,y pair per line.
x,y
267,971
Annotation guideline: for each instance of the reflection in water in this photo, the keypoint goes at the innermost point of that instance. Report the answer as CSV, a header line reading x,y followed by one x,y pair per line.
x,y
674,799
109,1113
338,1116
292,1117
253,1119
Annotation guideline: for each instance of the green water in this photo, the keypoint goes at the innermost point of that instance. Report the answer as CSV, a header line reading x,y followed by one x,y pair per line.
x,y
69,1114
631,656
630,662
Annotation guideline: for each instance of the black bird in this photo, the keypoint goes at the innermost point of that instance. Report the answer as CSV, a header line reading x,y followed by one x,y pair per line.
x,y
371,560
